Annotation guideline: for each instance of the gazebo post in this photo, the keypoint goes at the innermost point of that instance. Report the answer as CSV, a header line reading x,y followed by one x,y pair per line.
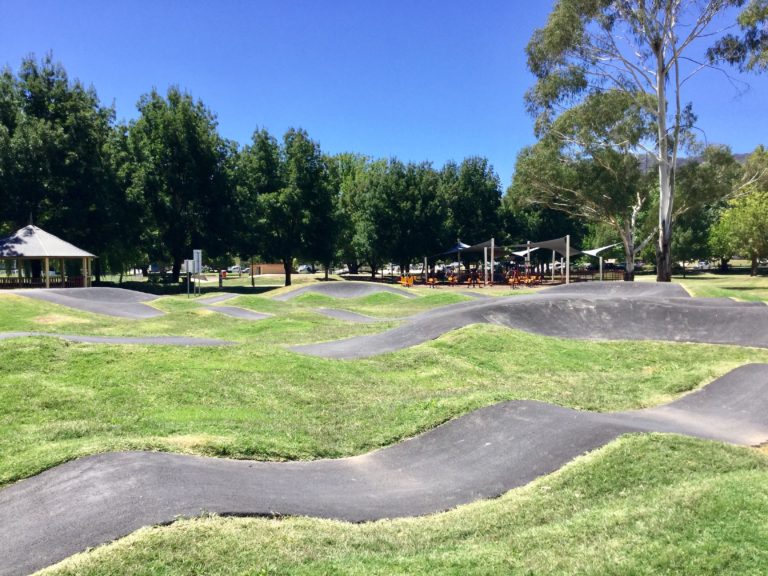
x,y
45,271
84,271
19,264
63,273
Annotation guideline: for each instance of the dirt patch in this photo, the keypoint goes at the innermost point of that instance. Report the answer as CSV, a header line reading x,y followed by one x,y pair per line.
x,y
49,319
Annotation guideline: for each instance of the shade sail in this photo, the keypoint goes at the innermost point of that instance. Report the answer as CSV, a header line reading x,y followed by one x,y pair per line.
x,y
556,244
596,251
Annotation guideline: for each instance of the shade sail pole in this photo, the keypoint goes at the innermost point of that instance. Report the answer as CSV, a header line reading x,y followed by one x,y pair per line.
x,y
552,271
568,259
493,259
485,265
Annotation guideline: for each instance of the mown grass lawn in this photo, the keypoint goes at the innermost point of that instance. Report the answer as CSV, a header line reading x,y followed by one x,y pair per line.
x,y
739,287
651,504
256,399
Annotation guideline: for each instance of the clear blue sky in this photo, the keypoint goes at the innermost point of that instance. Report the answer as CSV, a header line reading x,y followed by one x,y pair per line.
x,y
417,79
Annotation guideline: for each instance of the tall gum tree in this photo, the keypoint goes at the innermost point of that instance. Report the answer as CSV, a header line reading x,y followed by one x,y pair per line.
x,y
646,49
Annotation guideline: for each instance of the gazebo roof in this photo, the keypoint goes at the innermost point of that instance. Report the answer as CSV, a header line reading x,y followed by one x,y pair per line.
x,y
32,242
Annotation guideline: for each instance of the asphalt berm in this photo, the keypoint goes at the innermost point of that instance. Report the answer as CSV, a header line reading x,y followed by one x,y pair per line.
x,y
99,498
595,310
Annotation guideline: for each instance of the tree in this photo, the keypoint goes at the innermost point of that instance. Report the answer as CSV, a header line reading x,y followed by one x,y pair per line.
x,y
56,159
472,193
743,224
294,216
642,49
349,173
256,172
607,187
180,173
749,51
703,186
743,227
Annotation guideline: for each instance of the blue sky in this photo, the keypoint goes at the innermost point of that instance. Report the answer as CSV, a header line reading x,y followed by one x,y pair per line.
x,y
420,79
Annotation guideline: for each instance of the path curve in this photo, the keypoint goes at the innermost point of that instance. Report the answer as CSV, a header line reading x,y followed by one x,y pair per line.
x,y
117,302
344,289
600,311
151,340
99,498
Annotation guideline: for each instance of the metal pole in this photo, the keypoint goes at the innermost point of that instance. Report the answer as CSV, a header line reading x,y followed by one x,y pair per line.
x,y
493,259
552,272
426,270
485,265
528,258
568,259
601,268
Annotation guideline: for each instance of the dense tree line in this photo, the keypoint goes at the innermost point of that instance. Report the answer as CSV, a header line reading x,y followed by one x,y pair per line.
x,y
153,189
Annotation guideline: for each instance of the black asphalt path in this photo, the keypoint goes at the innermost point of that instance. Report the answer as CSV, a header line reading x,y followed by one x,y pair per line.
x,y
109,301
344,289
594,310
99,498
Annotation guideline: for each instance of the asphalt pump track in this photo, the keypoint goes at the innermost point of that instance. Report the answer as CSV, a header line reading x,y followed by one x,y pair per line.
x,y
97,499
117,302
595,310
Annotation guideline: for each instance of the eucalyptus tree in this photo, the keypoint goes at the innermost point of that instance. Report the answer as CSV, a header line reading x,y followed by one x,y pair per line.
x,y
577,169
749,49
180,173
646,50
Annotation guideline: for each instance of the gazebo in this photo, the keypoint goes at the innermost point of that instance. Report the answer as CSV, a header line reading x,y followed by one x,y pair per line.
x,y
34,245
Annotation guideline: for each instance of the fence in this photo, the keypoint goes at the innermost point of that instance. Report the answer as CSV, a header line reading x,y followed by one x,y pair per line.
x,y
11,282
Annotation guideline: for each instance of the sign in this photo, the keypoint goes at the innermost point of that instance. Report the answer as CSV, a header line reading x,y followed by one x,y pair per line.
x,y
197,257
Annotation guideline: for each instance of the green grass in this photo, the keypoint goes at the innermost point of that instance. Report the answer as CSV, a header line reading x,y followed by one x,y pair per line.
x,y
60,400
650,504
739,287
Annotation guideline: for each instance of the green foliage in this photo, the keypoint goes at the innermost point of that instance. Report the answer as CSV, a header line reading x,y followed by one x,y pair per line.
x,y
594,58
56,143
472,193
750,50
179,174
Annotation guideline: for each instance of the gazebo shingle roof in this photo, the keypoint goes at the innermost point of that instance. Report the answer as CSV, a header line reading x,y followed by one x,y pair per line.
x,y
32,242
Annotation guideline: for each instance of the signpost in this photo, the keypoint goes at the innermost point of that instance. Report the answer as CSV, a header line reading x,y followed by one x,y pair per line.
x,y
197,268
188,267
